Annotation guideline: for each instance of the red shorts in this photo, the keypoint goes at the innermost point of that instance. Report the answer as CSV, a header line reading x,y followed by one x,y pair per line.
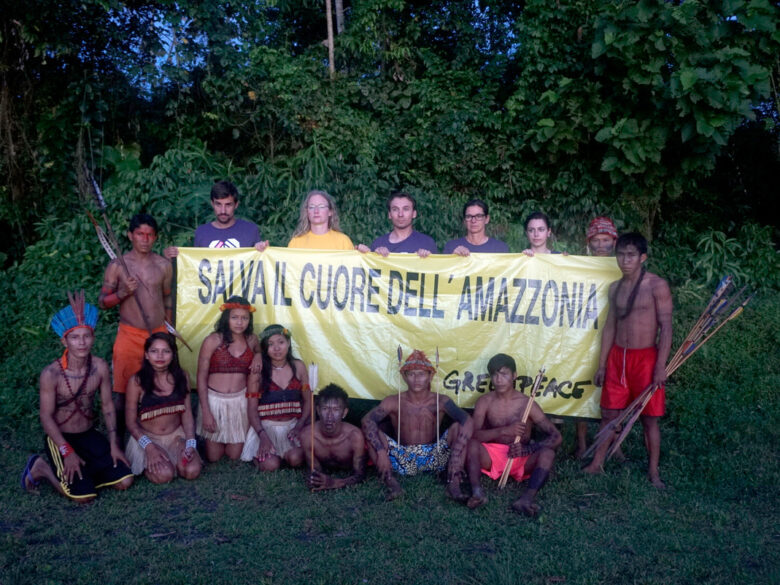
x,y
499,455
629,372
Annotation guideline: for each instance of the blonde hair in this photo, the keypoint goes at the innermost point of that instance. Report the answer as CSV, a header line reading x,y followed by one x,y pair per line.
x,y
304,226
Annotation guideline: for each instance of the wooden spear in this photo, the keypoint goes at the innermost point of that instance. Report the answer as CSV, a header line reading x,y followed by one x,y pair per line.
x,y
534,389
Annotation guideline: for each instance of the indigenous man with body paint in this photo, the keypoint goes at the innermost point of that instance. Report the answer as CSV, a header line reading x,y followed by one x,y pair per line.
x,y
635,345
81,460
411,443
144,299
338,446
497,422
403,238
227,230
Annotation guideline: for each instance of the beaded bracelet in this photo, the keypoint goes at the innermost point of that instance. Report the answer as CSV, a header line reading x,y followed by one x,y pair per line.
x,y
144,442
65,449
191,443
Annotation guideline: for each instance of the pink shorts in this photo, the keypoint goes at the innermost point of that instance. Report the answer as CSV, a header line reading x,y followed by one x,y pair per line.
x,y
499,455
629,372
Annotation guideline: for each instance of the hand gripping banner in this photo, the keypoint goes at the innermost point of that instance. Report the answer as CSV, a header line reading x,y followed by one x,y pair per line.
x,y
349,312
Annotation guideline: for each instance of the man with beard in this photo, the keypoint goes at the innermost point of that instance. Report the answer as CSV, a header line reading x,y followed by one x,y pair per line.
x,y
226,231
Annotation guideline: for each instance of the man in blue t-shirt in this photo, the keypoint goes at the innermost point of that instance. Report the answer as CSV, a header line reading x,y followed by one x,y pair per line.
x,y
402,210
226,231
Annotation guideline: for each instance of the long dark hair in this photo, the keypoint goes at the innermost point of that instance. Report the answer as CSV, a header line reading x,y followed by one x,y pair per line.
x,y
265,374
223,323
146,373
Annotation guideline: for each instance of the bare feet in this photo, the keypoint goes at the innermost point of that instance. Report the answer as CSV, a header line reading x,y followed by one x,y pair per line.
x,y
454,491
393,489
593,470
619,456
525,506
580,451
477,498
656,481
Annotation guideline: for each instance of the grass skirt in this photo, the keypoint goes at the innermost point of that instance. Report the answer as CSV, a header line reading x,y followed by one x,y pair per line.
x,y
277,432
172,444
229,412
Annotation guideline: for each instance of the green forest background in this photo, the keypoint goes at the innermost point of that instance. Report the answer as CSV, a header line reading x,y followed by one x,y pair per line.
x,y
661,114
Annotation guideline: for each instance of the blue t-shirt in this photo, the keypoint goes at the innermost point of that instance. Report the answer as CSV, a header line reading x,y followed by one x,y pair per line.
x,y
491,246
242,234
410,245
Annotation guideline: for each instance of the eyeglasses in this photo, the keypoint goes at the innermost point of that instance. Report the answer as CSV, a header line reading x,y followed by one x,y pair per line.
x,y
316,207
477,217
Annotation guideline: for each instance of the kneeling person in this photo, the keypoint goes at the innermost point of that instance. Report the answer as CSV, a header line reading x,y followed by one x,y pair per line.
x,y
159,416
81,459
337,445
416,415
497,417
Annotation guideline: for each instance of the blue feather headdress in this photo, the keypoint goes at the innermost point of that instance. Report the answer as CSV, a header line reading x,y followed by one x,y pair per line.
x,y
76,314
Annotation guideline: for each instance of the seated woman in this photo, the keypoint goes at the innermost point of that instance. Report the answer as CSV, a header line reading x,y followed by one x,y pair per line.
x,y
475,218
539,232
318,225
279,404
159,416
223,368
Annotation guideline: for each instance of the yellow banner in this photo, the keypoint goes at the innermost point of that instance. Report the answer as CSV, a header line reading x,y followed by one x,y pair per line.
x,y
349,312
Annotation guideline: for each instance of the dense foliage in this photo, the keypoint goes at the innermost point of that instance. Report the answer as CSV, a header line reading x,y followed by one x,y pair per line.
x,y
660,114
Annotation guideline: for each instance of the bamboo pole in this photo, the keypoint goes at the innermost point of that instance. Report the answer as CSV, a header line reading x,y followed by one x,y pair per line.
x,y
534,389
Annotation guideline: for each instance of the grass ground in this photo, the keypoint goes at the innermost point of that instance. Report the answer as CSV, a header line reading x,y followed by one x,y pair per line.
x,y
717,523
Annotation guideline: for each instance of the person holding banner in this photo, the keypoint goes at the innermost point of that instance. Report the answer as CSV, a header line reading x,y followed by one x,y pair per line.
x,y
416,416
475,218
538,231
497,424
635,345
601,236
318,224
224,361
338,445
402,211
278,405
159,417
600,241
226,231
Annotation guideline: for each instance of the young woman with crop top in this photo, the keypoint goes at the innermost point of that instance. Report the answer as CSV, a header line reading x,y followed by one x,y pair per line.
x,y
278,403
159,416
225,359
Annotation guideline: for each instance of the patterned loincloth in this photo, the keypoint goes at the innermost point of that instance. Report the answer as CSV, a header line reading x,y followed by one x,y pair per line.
x,y
414,459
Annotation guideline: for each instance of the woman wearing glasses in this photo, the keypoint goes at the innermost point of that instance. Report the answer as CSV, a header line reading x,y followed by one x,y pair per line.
x,y
475,218
318,225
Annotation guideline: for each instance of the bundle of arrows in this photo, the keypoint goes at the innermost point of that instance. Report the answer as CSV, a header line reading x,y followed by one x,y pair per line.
x,y
726,304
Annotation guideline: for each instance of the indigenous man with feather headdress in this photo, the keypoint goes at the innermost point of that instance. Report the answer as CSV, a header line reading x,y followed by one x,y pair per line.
x,y
411,444
80,458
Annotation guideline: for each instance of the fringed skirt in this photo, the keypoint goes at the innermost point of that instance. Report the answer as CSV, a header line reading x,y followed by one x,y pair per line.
x,y
229,412
277,432
172,444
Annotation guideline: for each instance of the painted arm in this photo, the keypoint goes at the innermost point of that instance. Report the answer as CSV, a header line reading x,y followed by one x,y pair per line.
x,y
115,289
109,413
607,337
663,310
